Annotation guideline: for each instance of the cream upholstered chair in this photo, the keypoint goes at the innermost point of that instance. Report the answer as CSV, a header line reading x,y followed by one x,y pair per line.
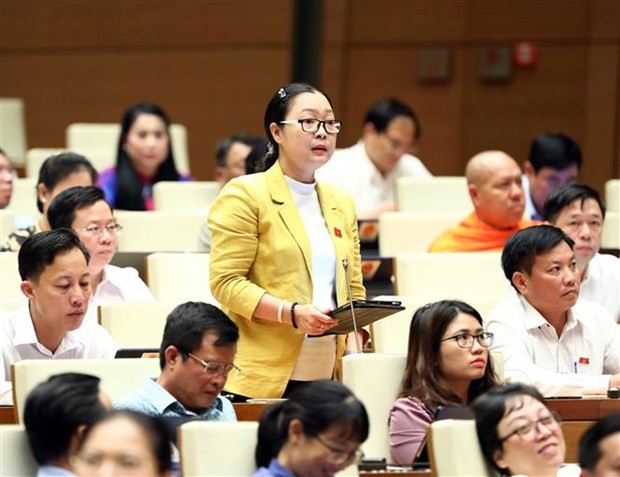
x,y
391,334
135,324
7,223
179,277
10,281
448,194
118,376
174,196
16,459
612,195
451,274
402,232
13,129
454,449
375,379
611,231
98,142
159,231
35,158
24,198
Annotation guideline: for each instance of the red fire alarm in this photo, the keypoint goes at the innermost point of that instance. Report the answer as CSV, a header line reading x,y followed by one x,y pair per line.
x,y
525,55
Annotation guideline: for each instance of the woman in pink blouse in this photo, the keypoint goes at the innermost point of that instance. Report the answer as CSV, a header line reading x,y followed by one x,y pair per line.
x,y
448,364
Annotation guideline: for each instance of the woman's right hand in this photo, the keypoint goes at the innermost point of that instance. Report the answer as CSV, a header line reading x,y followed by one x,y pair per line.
x,y
311,320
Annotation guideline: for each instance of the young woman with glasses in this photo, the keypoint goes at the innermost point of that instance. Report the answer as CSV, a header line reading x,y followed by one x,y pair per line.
x,y
448,364
279,241
518,434
318,431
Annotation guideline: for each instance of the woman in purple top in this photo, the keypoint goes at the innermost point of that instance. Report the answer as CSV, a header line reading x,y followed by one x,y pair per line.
x,y
144,157
448,364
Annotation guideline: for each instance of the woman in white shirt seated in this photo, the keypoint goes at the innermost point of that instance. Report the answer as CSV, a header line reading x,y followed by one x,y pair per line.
x,y
85,210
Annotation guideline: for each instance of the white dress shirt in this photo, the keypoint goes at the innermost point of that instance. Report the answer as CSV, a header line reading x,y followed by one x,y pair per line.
x,y
579,362
601,283
352,170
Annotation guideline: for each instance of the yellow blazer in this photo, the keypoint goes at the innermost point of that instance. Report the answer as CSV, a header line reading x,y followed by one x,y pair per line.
x,y
260,246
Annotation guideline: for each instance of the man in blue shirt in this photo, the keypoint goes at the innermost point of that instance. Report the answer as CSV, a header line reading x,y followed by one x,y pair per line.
x,y
196,354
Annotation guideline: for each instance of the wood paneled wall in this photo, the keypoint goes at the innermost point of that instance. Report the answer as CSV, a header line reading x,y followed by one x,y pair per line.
x,y
213,64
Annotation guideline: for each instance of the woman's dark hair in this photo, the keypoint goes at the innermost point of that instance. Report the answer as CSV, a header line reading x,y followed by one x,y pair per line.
x,y
154,429
491,407
129,188
57,168
276,111
422,375
318,405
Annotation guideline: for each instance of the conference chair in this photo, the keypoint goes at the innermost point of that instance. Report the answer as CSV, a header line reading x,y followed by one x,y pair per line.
x,y
454,449
375,379
35,158
118,376
16,459
612,196
447,194
179,277
403,232
10,280
146,232
7,223
24,198
134,324
610,238
451,274
98,142
174,196
13,129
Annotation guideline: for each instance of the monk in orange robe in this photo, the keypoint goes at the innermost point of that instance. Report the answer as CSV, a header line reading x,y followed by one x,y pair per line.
x,y
494,182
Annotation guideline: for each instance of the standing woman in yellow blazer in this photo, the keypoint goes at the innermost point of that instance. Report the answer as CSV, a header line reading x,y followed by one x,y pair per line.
x,y
279,239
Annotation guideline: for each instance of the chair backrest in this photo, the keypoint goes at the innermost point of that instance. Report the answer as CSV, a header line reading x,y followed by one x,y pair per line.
x,y
391,334
451,274
375,379
174,196
611,231
134,324
35,157
118,376
159,231
612,195
179,277
98,141
403,232
7,223
13,129
24,198
16,458
448,194
454,449
10,280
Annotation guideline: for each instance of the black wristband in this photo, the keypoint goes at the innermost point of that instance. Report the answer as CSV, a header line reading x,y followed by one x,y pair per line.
x,y
293,322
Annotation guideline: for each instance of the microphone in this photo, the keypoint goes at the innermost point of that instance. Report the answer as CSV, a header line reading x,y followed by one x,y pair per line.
x,y
345,265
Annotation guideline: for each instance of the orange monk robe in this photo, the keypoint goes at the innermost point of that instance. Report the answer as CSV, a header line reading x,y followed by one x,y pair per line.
x,y
474,235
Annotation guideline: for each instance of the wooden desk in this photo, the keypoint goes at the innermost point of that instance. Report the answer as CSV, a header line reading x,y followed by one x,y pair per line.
x,y
250,411
7,415
588,408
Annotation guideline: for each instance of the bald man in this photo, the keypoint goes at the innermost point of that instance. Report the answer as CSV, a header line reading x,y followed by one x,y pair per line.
x,y
494,183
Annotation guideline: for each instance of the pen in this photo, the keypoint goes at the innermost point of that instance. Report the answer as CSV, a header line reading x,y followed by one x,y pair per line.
x,y
575,367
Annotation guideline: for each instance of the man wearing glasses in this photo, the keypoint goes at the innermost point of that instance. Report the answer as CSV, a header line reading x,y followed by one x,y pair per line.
x,y
86,212
368,170
196,355
548,339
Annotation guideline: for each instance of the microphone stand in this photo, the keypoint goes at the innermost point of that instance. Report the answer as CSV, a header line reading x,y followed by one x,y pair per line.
x,y
345,265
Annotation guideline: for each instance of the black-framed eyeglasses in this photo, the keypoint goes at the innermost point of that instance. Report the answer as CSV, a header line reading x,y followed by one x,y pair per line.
x,y
112,229
213,368
524,431
465,340
311,125
341,457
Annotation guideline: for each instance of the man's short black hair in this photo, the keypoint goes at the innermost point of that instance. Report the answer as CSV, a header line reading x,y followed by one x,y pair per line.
x,y
223,147
187,324
40,250
383,111
63,209
522,248
589,444
55,409
554,150
564,196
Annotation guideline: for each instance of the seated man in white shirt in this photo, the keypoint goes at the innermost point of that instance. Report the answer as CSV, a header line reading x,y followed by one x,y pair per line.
x,y
54,268
368,170
579,210
86,212
547,338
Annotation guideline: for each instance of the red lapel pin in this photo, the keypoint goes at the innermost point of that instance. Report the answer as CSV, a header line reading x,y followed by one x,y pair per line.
x,y
337,232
